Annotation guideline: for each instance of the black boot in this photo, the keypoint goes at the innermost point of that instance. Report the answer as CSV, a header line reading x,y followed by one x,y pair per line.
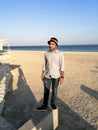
x,y
53,106
42,108
45,103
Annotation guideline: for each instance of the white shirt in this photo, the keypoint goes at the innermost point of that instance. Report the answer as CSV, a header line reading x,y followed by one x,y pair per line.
x,y
53,64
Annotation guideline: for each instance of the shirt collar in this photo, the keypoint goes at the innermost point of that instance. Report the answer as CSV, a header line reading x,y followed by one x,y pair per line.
x,y
56,51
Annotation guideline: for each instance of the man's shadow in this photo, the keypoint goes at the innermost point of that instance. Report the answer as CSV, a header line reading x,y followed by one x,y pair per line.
x,y
18,105
18,108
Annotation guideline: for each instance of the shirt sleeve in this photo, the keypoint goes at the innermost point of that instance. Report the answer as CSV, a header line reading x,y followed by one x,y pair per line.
x,y
61,62
44,62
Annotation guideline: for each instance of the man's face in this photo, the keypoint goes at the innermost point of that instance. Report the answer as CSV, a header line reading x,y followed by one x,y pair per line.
x,y
52,46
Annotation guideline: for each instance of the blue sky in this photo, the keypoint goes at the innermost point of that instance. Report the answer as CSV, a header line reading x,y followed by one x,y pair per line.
x,y
33,22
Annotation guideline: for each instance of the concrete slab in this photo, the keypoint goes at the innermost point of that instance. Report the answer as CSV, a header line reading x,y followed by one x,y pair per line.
x,y
42,121
1,106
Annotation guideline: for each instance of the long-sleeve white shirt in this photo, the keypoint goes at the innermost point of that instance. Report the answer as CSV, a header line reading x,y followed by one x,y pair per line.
x,y
53,64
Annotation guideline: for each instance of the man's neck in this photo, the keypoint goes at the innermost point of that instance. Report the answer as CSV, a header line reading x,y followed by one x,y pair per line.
x,y
52,51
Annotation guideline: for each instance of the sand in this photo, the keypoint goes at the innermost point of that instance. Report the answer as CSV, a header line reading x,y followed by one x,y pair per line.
x,y
77,96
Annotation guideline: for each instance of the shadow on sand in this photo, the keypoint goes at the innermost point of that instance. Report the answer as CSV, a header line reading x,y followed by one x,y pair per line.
x,y
90,91
95,71
18,108
1,52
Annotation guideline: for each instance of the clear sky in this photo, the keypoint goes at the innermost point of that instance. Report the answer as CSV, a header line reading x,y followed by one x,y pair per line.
x,y
33,22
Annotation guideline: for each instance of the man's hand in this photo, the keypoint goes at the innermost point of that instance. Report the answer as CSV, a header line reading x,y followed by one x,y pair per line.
x,y
42,75
61,81
61,77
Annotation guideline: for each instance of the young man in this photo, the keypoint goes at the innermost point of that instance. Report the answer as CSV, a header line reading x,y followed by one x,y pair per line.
x,y
52,73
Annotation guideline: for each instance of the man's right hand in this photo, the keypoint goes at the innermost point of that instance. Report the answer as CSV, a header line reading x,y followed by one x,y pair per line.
x,y
42,75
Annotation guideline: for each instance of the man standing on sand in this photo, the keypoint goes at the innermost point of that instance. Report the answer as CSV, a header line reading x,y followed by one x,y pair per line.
x,y
52,73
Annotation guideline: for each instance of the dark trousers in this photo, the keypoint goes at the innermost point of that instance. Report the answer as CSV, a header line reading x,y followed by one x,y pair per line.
x,y
47,84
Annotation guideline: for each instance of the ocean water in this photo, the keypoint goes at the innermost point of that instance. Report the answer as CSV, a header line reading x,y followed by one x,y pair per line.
x,y
76,48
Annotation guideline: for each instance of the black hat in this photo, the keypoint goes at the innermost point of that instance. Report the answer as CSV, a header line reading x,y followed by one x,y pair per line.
x,y
53,39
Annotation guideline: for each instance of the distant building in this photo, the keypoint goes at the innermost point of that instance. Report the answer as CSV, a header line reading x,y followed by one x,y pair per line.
x,y
2,42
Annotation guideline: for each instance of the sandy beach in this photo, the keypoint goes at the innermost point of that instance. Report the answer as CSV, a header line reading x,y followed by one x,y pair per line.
x,y
77,97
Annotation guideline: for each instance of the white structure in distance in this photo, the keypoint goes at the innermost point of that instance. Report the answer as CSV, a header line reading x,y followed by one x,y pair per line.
x,y
2,42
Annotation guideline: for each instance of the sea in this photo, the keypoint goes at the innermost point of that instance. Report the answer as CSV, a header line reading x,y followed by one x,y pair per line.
x,y
71,48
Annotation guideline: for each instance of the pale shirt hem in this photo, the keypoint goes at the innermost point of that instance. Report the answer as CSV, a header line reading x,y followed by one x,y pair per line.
x,y
54,77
